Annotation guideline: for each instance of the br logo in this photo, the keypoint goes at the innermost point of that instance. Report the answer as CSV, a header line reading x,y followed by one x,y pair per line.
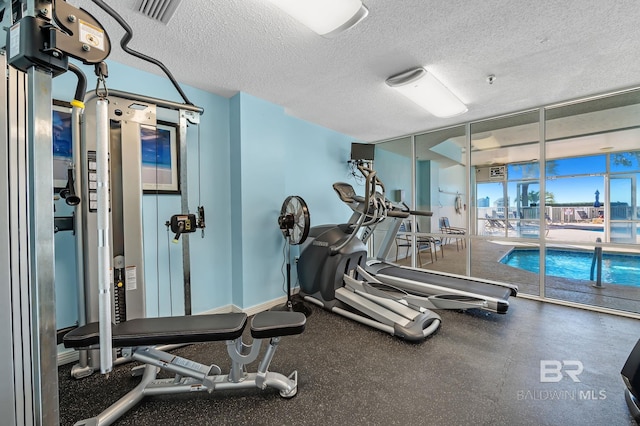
x,y
551,370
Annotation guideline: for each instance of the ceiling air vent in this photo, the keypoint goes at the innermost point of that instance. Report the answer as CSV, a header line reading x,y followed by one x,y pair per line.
x,y
160,10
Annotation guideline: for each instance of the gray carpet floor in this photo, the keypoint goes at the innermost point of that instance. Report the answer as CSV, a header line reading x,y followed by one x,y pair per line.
x,y
480,369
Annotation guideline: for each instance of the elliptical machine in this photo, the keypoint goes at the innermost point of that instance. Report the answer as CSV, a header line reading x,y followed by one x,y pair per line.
x,y
333,259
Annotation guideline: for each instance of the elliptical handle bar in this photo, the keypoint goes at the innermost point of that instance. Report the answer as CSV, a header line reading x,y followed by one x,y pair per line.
x,y
366,172
370,188
379,204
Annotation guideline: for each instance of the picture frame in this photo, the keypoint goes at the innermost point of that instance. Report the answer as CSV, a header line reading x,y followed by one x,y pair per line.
x,y
160,159
159,146
62,143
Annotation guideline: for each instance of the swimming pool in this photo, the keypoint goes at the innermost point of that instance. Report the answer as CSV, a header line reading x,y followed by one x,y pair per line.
x,y
616,268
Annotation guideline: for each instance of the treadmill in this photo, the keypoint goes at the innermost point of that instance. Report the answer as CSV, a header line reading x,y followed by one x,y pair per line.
x,y
444,290
483,294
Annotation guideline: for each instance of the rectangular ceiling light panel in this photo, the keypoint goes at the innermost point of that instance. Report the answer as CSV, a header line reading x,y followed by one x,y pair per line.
x,y
428,92
325,17
160,10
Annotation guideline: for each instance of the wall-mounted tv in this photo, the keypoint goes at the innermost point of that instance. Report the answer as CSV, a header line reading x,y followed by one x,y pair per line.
x,y
362,151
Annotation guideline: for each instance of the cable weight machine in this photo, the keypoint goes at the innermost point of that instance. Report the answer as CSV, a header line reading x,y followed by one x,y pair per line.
x,y
41,36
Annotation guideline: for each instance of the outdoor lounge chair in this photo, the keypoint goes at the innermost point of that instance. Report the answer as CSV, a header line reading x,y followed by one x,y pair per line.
x,y
507,224
584,217
493,225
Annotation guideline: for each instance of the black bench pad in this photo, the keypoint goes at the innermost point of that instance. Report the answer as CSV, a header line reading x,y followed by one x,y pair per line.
x,y
161,331
277,323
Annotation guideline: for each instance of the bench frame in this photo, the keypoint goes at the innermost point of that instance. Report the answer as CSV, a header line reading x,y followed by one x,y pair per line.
x,y
192,376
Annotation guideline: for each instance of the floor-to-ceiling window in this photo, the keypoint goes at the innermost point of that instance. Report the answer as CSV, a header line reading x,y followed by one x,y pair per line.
x,y
393,166
561,218
441,188
592,150
505,175
624,196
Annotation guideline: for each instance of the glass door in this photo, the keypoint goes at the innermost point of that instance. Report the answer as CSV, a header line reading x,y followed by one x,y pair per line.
x,y
490,208
527,208
393,166
623,208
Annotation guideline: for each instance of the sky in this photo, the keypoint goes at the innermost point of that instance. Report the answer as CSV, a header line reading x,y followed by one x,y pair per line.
x,y
564,190
572,180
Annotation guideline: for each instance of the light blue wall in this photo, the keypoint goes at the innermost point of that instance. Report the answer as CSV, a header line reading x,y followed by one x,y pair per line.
x,y
252,156
316,158
395,172
65,274
258,185
236,183
451,180
426,179
274,155
424,183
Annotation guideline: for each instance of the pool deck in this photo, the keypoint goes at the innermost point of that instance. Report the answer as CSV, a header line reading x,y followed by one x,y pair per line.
x,y
486,264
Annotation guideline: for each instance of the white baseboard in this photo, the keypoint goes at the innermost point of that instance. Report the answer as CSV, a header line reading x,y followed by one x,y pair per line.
x,y
219,310
251,310
265,306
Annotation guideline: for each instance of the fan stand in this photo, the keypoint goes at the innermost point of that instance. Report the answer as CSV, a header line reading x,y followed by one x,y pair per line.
x,y
294,224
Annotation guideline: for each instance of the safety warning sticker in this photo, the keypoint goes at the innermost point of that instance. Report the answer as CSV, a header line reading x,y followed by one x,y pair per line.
x,y
91,35
131,277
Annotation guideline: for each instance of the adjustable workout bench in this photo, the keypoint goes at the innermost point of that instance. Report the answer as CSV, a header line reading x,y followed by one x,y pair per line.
x,y
138,337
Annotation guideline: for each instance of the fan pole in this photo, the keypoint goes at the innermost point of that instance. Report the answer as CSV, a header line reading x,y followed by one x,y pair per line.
x,y
289,302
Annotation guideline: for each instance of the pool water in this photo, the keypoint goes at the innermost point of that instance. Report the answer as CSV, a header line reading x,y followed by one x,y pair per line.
x,y
616,268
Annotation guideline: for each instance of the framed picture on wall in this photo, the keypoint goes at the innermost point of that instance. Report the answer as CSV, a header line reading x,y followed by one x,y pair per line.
x,y
160,171
159,145
62,143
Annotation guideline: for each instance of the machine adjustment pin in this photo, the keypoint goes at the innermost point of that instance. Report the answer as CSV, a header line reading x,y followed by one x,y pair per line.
x,y
86,47
71,18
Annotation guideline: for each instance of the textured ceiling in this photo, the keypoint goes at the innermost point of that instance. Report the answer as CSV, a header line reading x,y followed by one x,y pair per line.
x,y
541,52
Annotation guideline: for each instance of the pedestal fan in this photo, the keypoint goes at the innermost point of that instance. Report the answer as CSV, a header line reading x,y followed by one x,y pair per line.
x,y
294,223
